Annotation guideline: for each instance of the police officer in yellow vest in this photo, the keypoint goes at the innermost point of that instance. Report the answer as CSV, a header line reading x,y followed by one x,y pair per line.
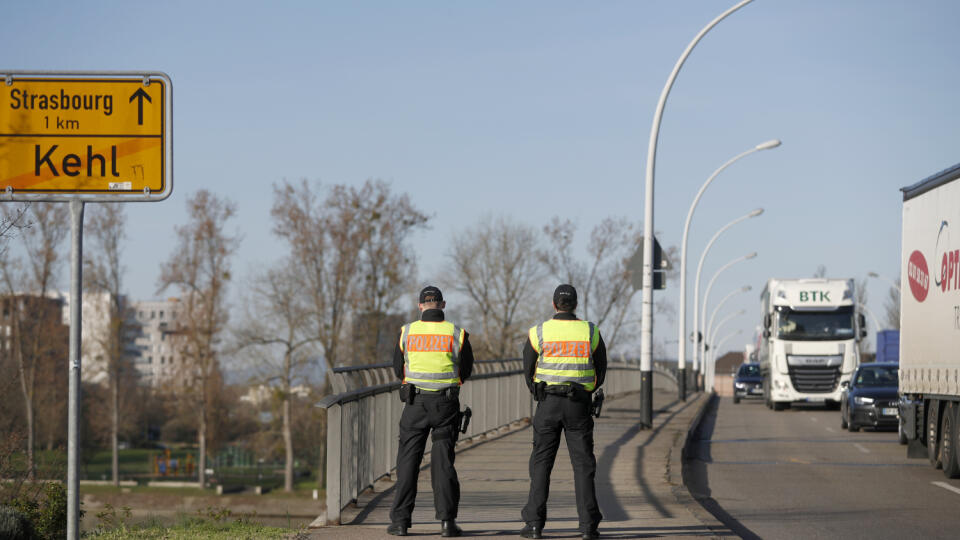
x,y
564,362
433,357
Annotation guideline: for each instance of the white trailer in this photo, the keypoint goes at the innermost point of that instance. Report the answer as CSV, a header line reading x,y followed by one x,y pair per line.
x,y
930,320
810,343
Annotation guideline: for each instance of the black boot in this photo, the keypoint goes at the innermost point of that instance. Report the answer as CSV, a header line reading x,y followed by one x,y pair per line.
x,y
448,528
397,529
592,534
532,530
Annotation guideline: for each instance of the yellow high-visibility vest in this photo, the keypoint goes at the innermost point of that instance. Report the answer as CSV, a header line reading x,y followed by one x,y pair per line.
x,y
566,352
431,354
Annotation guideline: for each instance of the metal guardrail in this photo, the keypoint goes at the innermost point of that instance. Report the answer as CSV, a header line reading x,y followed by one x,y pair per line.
x,y
363,417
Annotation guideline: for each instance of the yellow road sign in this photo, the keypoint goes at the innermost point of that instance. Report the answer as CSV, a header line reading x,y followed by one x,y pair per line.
x,y
84,135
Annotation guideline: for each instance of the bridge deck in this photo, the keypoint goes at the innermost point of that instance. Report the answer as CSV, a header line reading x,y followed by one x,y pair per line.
x,y
639,494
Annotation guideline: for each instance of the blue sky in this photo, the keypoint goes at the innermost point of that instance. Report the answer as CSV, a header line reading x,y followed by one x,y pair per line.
x,y
519,108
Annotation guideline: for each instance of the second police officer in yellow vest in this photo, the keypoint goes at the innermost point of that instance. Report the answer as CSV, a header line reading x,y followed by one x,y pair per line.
x,y
432,357
564,362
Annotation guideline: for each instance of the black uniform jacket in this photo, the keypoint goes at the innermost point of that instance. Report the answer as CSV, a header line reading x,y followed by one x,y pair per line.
x,y
466,351
530,356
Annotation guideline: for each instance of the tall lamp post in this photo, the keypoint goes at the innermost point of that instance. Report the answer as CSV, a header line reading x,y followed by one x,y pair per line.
x,y
884,278
712,353
720,343
682,329
876,323
706,295
713,314
696,288
646,321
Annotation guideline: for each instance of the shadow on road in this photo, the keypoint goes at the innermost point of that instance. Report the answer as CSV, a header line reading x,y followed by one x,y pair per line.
x,y
695,472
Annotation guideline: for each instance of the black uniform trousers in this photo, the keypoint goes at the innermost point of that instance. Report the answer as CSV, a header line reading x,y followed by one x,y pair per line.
x,y
554,414
428,412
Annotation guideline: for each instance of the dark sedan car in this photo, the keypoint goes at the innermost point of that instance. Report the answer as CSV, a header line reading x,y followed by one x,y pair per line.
x,y
870,400
747,383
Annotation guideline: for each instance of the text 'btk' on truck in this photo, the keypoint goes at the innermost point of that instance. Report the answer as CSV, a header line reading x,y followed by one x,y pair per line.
x,y
810,340
930,320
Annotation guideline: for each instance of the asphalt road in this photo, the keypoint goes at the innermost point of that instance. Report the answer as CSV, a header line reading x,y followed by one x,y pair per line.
x,y
797,474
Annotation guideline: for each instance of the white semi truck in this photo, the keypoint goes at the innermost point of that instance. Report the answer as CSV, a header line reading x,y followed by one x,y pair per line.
x,y
810,342
930,320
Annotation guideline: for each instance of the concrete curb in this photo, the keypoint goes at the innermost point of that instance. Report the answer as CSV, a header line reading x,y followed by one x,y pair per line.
x,y
676,461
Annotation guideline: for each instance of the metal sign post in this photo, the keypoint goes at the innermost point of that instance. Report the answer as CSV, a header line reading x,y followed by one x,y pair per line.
x,y
79,137
73,402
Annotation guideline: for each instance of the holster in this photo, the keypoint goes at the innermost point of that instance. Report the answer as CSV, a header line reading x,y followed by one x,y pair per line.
x,y
407,393
464,419
597,404
540,391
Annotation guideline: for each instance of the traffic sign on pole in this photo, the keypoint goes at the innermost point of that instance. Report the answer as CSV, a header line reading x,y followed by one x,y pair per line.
x,y
83,137
100,137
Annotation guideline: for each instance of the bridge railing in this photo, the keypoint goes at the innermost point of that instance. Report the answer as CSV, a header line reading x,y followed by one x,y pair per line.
x,y
363,417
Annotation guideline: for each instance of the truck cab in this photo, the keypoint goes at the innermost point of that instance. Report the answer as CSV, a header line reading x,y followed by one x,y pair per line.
x,y
810,344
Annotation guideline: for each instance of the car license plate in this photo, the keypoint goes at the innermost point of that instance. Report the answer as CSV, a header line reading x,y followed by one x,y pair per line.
x,y
888,411
756,390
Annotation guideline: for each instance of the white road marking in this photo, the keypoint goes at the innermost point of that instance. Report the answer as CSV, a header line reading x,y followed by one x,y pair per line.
x,y
946,486
831,430
814,419
862,448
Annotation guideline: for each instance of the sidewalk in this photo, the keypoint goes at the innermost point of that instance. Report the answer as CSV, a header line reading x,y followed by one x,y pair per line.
x,y
639,483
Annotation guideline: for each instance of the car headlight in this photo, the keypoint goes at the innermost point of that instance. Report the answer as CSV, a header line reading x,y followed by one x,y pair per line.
x,y
860,400
739,385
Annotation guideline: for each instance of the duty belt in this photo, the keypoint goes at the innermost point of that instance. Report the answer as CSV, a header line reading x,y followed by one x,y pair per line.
x,y
558,389
453,391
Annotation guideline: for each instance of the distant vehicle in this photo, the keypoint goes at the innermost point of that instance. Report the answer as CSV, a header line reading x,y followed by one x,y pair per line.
x,y
888,346
871,398
810,342
748,382
930,320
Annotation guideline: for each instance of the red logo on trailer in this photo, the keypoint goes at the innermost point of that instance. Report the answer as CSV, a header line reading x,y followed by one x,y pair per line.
x,y
918,276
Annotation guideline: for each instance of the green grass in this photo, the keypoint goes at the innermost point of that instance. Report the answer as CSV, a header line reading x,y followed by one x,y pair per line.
x,y
172,491
193,528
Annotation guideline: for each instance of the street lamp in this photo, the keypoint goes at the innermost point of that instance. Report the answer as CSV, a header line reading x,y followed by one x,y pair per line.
x,y
713,365
646,313
876,325
682,330
712,334
888,280
713,315
706,295
696,284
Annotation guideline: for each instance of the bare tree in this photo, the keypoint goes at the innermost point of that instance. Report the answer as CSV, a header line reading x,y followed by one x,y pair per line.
x,y
496,264
603,280
325,253
199,267
351,232
27,288
891,307
386,262
103,274
278,330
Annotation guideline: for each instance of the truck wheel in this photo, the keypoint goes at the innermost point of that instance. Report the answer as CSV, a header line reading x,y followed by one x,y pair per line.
x,y
843,421
780,405
948,440
930,435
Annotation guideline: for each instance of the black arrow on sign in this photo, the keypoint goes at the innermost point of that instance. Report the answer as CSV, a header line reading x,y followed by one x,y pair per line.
x,y
139,95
